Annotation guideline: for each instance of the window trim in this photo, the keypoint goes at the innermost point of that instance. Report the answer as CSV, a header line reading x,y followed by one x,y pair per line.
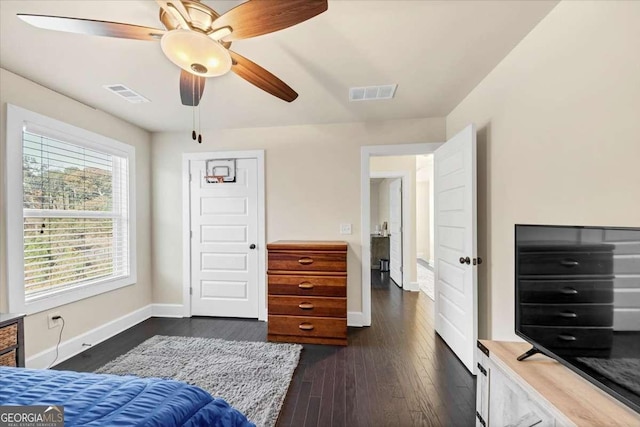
x,y
17,119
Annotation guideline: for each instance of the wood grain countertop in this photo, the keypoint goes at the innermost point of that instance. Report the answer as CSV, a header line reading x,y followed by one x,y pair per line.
x,y
580,401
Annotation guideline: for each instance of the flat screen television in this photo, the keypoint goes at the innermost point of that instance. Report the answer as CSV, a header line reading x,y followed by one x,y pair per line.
x,y
578,301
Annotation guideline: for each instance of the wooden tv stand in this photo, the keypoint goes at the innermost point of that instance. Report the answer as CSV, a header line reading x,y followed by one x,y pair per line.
x,y
539,391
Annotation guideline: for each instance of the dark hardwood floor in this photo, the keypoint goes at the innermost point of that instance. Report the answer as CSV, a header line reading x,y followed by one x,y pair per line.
x,y
398,372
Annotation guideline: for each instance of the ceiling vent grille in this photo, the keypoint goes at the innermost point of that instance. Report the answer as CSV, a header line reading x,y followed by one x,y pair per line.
x,y
372,93
126,93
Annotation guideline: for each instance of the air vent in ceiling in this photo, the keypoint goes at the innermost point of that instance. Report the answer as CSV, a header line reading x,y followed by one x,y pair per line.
x,y
126,93
372,93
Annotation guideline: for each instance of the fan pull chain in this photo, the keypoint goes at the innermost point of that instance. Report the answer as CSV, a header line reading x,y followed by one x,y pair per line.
x,y
199,117
193,107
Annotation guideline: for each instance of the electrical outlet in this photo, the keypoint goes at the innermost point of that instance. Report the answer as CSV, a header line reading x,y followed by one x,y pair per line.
x,y
54,323
345,228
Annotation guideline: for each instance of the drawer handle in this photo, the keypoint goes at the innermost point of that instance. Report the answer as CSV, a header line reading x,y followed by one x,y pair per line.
x,y
568,291
305,261
564,337
568,314
305,326
305,306
305,285
569,263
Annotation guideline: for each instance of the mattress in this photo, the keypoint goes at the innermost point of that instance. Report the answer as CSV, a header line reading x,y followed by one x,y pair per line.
x,y
111,400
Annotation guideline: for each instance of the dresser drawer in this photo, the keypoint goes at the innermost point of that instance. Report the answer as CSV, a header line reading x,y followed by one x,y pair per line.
x,y
307,306
566,291
322,286
307,326
308,261
570,337
9,359
567,314
8,336
566,263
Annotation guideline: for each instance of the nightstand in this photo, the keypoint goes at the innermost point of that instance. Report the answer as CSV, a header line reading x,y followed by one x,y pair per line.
x,y
12,340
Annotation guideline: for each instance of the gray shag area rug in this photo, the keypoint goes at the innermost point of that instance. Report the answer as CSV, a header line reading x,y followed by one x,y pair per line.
x,y
625,372
253,377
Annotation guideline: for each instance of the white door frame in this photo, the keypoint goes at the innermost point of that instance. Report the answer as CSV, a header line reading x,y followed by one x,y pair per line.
x,y
407,229
187,158
366,152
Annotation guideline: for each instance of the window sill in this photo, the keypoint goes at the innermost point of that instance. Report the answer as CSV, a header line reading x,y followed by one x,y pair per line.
x,y
68,296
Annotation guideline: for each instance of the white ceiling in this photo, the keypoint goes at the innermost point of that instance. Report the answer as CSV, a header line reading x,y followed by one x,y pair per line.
x,y
436,51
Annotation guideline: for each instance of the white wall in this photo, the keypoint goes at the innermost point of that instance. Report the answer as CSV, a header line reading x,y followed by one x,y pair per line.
x,y
374,218
559,138
312,185
92,312
384,211
423,248
424,207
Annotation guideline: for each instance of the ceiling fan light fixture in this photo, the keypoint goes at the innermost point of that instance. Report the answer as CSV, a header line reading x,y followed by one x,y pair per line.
x,y
196,53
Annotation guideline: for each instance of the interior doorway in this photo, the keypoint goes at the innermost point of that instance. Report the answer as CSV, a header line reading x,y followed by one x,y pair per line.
x,y
390,161
455,237
390,221
401,206
400,203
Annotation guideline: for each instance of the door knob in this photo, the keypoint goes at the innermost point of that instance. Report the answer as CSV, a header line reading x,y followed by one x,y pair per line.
x,y
466,260
252,246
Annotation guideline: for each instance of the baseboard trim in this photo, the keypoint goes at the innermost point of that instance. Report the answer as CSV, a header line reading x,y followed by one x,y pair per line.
x,y
73,346
412,286
355,318
167,310
423,289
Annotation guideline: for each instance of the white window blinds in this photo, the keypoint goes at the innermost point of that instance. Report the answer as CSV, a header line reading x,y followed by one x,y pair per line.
x,y
75,209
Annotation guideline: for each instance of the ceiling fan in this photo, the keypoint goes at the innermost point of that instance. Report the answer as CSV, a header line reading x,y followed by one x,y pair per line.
x,y
197,38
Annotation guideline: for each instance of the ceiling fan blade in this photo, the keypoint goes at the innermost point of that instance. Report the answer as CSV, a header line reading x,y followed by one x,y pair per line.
x,y
258,76
191,88
92,27
256,17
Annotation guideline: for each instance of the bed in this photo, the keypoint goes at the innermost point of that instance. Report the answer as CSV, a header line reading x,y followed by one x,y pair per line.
x,y
111,400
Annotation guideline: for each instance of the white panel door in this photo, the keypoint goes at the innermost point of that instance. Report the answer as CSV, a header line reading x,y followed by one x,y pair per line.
x,y
224,256
395,230
455,245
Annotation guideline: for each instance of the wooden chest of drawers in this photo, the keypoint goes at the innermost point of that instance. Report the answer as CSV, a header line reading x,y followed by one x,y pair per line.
x,y
307,286
11,340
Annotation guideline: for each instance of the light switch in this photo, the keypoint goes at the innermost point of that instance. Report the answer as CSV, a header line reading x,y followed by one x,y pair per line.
x,y
345,228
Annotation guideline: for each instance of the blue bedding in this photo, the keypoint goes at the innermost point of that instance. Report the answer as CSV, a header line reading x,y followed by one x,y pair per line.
x,y
114,401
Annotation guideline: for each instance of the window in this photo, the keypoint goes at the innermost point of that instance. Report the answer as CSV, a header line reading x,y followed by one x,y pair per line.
x,y
75,215
75,212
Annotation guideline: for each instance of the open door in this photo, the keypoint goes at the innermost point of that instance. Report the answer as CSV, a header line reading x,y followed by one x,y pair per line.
x,y
395,229
455,258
